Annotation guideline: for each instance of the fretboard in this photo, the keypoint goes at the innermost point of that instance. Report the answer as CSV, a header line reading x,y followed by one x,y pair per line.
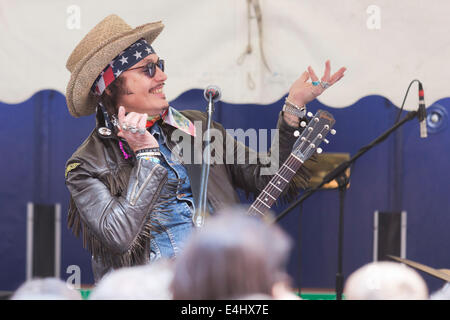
x,y
275,187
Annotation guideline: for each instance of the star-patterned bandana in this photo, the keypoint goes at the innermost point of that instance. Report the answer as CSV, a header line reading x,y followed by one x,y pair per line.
x,y
122,62
174,118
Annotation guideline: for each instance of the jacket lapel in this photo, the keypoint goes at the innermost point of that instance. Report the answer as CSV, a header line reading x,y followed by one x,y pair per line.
x,y
194,170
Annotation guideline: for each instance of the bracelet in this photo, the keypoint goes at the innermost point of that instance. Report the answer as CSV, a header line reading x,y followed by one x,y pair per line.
x,y
148,154
286,101
152,159
156,149
300,113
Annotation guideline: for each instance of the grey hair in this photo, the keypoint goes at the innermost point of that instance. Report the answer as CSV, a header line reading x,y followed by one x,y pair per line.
x,y
148,282
385,280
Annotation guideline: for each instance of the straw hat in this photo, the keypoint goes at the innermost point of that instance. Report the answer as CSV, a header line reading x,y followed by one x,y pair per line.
x,y
101,45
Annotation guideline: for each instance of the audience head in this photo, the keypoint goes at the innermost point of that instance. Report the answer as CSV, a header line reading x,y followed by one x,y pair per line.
x,y
233,255
385,280
45,289
148,282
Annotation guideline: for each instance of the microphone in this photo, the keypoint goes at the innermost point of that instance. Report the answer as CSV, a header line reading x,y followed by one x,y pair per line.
x,y
422,113
213,92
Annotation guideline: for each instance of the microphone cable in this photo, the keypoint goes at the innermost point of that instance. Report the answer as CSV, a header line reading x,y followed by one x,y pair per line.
x,y
404,99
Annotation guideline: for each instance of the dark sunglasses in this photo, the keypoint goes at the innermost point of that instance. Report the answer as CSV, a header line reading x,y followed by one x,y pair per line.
x,y
151,67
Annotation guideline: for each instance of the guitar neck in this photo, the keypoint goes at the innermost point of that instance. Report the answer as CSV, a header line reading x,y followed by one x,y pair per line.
x,y
276,185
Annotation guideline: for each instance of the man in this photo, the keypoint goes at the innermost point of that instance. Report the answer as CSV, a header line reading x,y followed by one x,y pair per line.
x,y
132,201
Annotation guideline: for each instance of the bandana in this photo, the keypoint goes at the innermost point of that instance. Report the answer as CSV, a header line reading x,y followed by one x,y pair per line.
x,y
152,119
124,60
173,117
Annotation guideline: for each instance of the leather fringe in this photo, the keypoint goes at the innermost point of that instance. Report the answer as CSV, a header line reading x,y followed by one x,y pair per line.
x,y
139,251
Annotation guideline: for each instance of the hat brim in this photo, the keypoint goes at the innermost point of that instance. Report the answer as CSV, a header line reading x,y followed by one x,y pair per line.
x,y
80,100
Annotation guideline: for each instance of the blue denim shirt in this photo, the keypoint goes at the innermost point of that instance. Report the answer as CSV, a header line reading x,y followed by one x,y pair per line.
x,y
177,222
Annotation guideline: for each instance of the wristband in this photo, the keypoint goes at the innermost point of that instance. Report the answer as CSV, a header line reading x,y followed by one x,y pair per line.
x,y
300,113
156,149
148,154
151,159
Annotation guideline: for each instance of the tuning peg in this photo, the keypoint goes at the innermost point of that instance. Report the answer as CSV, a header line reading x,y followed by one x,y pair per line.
x,y
319,150
333,132
309,114
326,141
296,133
303,124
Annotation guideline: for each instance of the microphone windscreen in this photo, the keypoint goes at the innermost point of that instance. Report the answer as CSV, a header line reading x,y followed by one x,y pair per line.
x,y
214,92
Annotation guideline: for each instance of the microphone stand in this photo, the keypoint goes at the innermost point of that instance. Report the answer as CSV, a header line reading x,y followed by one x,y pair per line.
x,y
200,214
340,176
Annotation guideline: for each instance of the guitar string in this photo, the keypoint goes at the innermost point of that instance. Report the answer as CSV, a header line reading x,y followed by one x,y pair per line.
x,y
271,186
283,184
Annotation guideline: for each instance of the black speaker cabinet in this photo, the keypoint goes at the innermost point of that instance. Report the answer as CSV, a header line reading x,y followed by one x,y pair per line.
x,y
389,237
43,240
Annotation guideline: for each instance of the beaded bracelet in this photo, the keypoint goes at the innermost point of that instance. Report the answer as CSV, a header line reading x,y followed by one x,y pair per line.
x,y
149,158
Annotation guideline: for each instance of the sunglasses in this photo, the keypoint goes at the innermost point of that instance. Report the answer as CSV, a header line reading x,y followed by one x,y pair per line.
x,y
151,67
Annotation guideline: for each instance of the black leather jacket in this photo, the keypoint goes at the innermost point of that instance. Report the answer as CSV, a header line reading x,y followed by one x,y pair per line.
x,y
113,199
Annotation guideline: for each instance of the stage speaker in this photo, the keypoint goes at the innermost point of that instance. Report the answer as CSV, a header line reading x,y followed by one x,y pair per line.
x,y
43,241
389,236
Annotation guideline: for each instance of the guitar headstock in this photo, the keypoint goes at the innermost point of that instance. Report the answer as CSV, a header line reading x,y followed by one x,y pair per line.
x,y
318,127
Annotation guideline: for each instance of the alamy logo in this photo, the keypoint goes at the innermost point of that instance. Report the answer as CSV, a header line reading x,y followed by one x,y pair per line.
x,y
228,147
74,17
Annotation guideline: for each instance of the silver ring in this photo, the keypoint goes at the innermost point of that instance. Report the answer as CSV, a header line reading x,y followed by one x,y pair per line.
x,y
124,127
141,130
133,129
324,84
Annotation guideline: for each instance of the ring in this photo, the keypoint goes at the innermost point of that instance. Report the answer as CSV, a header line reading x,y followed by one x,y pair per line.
x,y
141,130
324,84
315,83
124,127
133,129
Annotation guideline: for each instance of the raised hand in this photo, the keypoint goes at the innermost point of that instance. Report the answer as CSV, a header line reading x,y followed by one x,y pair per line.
x,y
302,91
132,129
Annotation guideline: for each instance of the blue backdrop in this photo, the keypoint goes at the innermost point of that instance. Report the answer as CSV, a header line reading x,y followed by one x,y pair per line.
x,y
403,173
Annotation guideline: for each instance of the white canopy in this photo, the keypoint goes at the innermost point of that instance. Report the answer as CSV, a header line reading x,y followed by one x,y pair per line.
x,y
383,45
